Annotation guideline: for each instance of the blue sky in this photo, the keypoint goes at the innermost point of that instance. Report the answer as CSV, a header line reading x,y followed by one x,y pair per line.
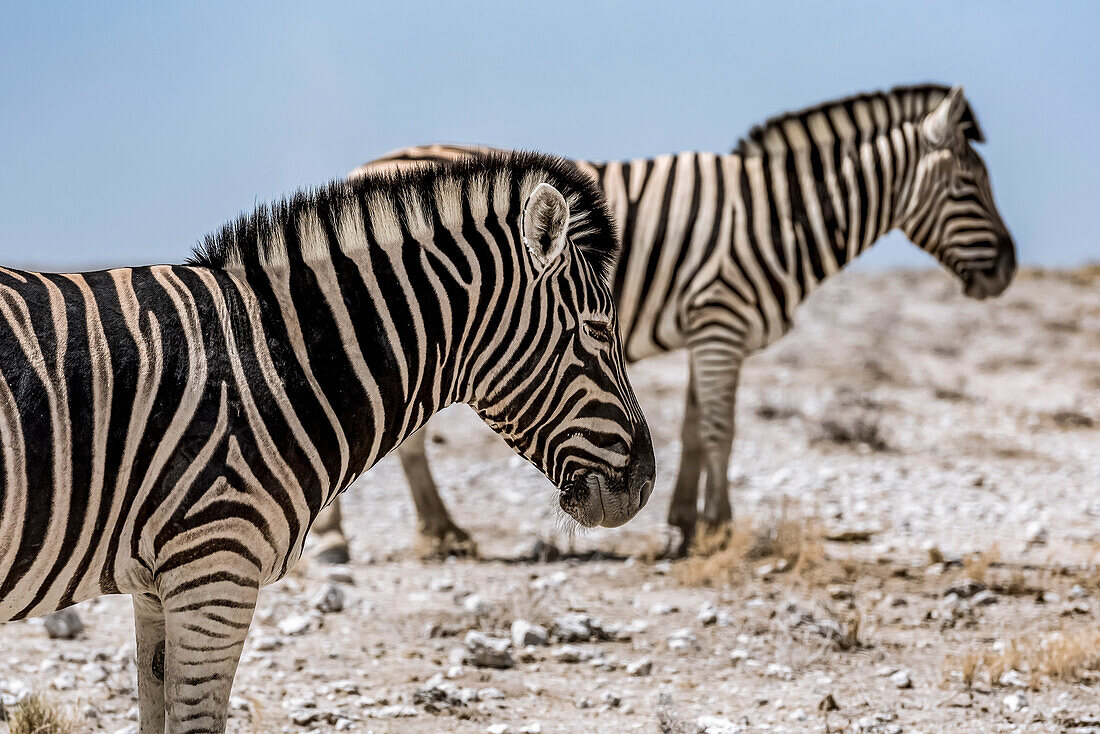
x,y
127,131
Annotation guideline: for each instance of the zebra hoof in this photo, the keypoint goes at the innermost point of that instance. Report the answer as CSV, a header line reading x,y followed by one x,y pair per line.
x,y
679,544
334,555
452,542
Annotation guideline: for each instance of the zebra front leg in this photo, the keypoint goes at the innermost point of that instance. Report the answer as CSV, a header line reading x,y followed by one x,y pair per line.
x,y
683,512
439,536
205,626
149,626
717,368
332,544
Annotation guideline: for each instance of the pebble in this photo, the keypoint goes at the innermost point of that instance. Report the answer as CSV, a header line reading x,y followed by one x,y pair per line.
x,y
396,711
267,643
965,589
533,728
585,703
497,729
525,633
339,575
491,694
63,625
664,698
984,598
902,679
1015,702
716,725
640,668
329,600
477,605
295,624
487,652
572,654
682,639
662,608
64,682
708,615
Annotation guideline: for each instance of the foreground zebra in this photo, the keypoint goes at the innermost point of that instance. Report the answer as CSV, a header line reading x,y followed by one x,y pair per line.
x,y
719,250
171,432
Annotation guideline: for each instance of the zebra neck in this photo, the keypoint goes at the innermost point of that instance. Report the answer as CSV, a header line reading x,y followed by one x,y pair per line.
x,y
363,327
817,204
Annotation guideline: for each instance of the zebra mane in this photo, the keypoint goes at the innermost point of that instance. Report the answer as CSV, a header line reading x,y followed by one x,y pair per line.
x,y
908,103
408,199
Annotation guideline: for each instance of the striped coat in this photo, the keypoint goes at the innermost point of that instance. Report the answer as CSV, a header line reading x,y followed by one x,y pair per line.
x,y
720,249
171,432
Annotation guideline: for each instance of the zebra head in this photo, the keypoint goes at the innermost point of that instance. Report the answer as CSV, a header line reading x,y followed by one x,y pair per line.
x,y
560,396
951,213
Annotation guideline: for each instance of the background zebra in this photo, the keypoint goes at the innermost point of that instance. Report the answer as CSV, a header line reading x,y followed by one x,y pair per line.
x,y
171,432
719,250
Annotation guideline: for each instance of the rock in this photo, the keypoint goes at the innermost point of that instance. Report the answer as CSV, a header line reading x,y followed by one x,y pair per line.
x,y
296,624
965,589
776,670
662,608
611,699
63,625
525,633
477,605
640,668
1013,679
491,694
902,679
497,729
1036,533
533,728
1077,592
64,682
828,703
984,598
396,711
329,600
739,654
487,652
338,575
664,698
582,628
442,584
1015,702
12,693
267,643
682,639
585,703
708,615
716,725
572,654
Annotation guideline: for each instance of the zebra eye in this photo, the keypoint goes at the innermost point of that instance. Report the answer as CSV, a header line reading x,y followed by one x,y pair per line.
x,y
598,330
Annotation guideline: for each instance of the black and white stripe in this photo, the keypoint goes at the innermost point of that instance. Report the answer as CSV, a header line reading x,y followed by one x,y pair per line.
x,y
719,250
171,432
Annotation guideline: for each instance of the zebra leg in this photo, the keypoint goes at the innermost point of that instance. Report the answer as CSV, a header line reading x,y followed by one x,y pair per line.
x,y
332,544
717,368
684,510
206,626
439,537
149,625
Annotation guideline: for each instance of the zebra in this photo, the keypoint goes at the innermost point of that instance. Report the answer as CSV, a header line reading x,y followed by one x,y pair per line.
x,y
719,250
171,432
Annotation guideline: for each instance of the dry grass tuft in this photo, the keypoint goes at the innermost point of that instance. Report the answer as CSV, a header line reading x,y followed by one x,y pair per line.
x,y
36,715
726,556
1072,657
669,723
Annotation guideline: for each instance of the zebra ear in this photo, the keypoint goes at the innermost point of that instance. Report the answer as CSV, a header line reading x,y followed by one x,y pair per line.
x,y
941,125
544,224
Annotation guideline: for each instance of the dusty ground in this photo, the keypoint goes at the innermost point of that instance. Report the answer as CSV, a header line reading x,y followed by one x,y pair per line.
x,y
947,442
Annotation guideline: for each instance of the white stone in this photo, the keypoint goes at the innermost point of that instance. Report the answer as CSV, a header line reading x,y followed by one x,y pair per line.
x,y
477,605
487,652
1015,702
525,633
295,624
902,679
329,600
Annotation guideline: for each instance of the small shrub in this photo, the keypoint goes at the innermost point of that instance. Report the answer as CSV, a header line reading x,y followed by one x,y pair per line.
x,y
36,715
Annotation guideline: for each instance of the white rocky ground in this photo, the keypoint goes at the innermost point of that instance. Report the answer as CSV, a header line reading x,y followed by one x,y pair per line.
x,y
956,441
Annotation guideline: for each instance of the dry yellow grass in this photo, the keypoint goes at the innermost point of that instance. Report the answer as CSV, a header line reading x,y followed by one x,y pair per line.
x,y
723,557
1058,656
36,715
